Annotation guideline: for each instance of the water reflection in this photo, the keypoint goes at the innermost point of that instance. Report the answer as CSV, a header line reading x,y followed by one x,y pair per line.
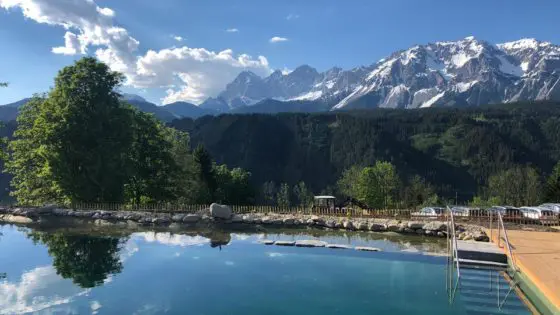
x,y
87,260
79,270
37,289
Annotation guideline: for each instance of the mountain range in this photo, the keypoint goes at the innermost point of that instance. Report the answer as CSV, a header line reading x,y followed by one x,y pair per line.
x,y
467,72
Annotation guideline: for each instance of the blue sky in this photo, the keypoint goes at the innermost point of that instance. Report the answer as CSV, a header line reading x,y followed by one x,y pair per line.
x,y
321,33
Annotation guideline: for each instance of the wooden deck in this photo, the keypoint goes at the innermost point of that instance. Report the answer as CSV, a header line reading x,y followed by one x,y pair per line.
x,y
537,254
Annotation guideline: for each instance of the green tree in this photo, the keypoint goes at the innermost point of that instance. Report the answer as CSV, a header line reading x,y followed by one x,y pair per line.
x,y
479,202
33,180
205,174
418,193
3,140
233,186
268,192
87,260
552,186
376,185
183,180
242,192
347,184
283,195
517,186
302,195
78,139
152,165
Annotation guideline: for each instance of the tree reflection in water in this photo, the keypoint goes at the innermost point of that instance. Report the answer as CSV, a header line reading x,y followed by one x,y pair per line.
x,y
87,260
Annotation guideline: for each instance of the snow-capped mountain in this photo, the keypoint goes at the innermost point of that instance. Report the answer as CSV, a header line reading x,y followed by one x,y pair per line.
x,y
464,72
304,83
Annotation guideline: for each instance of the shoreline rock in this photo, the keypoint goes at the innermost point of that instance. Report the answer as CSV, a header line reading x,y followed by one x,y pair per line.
x,y
223,215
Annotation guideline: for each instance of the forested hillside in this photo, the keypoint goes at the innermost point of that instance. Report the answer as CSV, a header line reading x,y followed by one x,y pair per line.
x,y
454,149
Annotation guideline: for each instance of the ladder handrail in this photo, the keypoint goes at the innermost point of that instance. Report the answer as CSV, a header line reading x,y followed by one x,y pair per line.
x,y
453,254
501,226
454,239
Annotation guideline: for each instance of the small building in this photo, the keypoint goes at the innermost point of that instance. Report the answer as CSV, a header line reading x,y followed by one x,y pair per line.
x,y
324,202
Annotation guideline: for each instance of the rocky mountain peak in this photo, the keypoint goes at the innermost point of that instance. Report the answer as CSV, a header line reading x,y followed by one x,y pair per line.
x,y
466,72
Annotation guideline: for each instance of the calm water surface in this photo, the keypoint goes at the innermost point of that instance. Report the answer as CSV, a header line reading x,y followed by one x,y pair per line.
x,y
81,271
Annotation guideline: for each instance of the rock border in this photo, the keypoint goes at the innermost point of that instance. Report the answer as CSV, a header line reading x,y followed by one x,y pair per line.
x,y
222,215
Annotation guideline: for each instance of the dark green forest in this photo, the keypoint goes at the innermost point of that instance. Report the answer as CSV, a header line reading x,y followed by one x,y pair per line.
x,y
455,150
81,143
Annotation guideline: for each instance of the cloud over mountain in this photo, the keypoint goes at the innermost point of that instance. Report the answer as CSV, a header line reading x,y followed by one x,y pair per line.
x,y
190,74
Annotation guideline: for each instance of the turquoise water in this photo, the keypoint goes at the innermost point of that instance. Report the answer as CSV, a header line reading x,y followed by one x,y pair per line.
x,y
69,272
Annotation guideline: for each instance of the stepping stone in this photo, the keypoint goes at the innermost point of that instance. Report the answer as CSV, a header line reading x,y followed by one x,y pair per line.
x,y
310,243
367,249
285,243
338,246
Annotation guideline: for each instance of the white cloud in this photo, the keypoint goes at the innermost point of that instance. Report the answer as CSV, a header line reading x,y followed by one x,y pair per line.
x,y
72,45
292,16
177,38
277,39
171,239
86,24
38,289
232,30
189,74
106,11
198,71
94,306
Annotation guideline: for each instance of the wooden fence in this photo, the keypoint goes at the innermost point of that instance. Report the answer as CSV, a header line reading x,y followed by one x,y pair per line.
x,y
480,217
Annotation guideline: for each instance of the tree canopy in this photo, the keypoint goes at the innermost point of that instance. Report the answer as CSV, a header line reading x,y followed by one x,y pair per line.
x,y
552,185
82,143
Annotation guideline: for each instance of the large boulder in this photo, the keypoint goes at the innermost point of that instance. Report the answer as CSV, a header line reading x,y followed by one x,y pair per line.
x,y
348,225
393,226
377,227
220,211
191,218
8,218
237,218
481,237
178,217
362,225
435,226
415,225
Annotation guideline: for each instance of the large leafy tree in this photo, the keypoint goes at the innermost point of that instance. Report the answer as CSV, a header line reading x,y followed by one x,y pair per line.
x,y
552,186
233,186
517,186
33,180
76,139
152,163
376,185
183,180
347,184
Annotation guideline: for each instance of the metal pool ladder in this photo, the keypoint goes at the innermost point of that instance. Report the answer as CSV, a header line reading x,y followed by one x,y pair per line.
x,y
453,270
452,257
512,279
